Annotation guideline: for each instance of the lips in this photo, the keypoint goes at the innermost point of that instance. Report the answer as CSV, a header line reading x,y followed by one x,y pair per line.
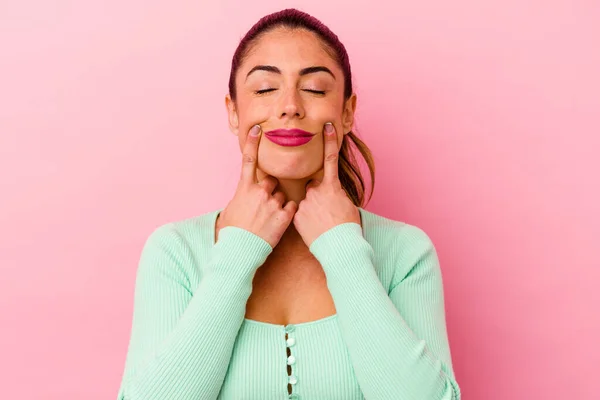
x,y
289,137
289,133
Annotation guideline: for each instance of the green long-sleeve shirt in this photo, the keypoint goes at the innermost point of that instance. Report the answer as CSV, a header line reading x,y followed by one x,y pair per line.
x,y
387,340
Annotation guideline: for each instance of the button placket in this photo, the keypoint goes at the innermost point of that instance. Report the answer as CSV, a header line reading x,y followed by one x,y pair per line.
x,y
290,342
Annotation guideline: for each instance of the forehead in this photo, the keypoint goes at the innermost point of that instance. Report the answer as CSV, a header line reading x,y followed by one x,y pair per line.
x,y
290,50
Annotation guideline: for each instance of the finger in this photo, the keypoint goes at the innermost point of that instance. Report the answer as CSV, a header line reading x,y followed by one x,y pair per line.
x,y
291,207
269,183
279,196
330,163
250,155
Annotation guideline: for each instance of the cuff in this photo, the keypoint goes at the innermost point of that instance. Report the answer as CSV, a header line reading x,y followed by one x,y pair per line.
x,y
341,247
238,250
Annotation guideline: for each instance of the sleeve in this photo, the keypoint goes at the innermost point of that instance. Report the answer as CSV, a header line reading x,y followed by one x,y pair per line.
x,y
182,339
397,341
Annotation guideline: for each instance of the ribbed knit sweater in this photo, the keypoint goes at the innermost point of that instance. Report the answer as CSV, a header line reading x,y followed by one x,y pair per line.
x,y
190,339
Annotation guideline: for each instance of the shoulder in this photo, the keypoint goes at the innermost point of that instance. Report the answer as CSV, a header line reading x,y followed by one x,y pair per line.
x,y
193,229
389,233
190,237
178,247
397,245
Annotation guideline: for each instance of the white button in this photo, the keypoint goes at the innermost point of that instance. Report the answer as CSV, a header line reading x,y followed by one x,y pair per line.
x,y
290,342
291,360
290,328
293,380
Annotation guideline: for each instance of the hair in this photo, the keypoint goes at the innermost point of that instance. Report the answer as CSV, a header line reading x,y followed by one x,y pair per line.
x,y
348,169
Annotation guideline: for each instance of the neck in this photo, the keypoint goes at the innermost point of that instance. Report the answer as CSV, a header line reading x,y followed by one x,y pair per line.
x,y
294,190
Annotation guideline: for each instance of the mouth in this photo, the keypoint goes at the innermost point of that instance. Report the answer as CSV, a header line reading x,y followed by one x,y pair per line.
x,y
289,137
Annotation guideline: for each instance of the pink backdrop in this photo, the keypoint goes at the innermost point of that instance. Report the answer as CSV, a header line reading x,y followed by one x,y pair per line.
x,y
482,115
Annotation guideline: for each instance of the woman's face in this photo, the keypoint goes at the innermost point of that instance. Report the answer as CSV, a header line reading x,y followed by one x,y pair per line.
x,y
283,96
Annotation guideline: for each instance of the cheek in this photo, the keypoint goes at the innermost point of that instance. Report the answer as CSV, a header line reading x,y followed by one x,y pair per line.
x,y
251,108
255,106
324,112
330,111
250,114
324,108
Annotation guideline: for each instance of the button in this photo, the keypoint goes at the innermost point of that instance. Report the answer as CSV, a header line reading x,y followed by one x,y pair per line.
x,y
291,360
293,380
290,328
290,342
293,396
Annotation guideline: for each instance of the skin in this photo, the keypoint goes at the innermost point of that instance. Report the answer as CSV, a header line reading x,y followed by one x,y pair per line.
x,y
293,104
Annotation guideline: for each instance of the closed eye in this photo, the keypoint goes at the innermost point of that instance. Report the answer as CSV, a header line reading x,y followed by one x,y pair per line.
x,y
315,91
263,91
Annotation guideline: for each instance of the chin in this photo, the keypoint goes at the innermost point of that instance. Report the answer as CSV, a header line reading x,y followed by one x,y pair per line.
x,y
287,175
298,165
289,172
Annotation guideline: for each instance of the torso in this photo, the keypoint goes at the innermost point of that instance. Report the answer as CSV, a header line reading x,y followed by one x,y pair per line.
x,y
290,287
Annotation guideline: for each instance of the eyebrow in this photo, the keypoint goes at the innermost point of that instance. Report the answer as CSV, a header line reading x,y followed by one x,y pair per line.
x,y
303,71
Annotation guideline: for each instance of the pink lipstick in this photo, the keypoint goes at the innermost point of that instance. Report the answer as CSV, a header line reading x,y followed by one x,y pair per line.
x,y
289,137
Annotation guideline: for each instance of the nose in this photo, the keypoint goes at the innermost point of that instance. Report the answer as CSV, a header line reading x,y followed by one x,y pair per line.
x,y
291,105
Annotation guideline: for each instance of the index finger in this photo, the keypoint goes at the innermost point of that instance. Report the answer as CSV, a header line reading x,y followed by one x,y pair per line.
x,y
250,155
330,163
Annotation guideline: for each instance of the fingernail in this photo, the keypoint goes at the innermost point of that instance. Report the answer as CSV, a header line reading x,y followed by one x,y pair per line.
x,y
255,131
329,128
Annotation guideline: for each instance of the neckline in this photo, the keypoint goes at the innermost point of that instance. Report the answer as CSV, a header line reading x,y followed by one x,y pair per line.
x,y
213,224
299,325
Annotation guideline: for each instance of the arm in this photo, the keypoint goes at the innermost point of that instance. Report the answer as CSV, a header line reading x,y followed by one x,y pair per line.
x,y
398,342
181,343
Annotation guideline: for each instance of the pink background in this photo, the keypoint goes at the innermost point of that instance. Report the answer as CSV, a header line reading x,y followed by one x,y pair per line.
x,y
482,116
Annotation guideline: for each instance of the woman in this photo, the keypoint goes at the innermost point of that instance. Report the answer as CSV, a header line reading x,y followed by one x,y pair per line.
x,y
293,290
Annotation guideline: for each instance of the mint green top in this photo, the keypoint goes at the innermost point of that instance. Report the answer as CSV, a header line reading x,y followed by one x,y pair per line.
x,y
190,340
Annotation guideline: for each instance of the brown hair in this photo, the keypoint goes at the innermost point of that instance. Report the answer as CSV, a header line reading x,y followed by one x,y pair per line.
x,y
349,171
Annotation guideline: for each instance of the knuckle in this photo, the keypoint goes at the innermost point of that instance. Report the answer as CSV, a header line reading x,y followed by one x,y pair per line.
x,y
332,157
247,158
260,194
263,195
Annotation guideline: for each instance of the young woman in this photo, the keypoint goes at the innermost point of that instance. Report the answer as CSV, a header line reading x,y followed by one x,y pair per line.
x,y
293,290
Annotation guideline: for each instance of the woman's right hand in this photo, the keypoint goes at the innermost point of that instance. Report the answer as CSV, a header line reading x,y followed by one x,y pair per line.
x,y
255,207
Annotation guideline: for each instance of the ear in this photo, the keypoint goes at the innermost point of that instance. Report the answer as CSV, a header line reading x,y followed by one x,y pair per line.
x,y
348,114
234,124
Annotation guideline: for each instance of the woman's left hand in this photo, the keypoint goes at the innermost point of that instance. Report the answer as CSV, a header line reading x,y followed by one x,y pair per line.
x,y
326,204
